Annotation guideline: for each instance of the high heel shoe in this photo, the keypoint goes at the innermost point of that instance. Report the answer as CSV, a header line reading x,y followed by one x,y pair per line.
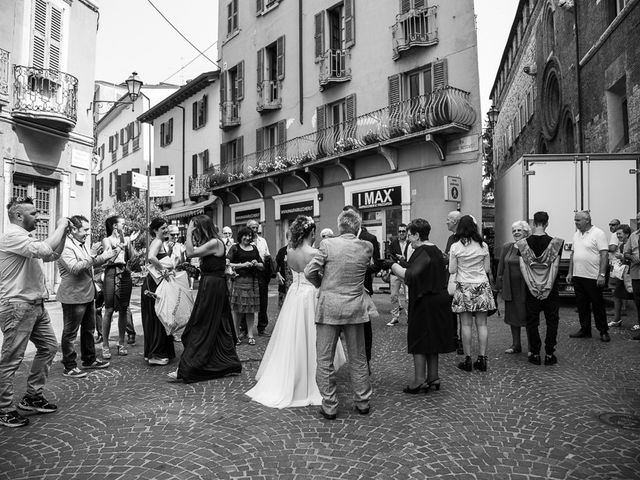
x,y
422,388
434,383
466,365
481,363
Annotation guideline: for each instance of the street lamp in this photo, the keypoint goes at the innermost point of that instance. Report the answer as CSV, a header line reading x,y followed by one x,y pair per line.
x,y
492,116
134,84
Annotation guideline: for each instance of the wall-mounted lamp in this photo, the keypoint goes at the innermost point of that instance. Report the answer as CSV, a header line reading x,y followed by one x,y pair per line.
x,y
492,117
134,84
320,197
530,70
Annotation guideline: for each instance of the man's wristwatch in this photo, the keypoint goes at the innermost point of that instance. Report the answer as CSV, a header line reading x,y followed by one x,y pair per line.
x,y
601,275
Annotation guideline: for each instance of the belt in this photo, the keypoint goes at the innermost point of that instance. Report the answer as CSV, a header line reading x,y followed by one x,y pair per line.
x,y
38,301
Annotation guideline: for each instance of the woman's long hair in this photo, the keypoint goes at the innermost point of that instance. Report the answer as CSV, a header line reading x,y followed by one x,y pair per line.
x,y
300,229
467,231
203,230
156,224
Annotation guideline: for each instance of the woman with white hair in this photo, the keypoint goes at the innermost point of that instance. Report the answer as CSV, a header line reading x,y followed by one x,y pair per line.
x,y
510,283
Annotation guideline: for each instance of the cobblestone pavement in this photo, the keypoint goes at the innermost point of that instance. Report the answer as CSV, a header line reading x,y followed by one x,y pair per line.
x,y
516,421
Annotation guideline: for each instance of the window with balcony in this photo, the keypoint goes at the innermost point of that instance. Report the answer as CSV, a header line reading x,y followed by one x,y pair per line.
x,y
415,26
334,37
270,75
336,125
418,83
231,154
166,133
200,163
199,112
232,17
265,6
270,141
231,94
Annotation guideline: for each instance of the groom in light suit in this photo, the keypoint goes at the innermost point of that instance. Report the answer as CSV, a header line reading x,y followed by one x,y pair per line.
x,y
338,270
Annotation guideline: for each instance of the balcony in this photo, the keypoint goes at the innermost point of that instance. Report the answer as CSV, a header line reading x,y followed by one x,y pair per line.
x,y
229,115
45,96
430,118
335,67
416,28
269,97
4,77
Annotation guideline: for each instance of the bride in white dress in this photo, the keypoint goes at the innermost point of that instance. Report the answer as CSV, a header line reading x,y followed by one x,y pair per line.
x,y
287,374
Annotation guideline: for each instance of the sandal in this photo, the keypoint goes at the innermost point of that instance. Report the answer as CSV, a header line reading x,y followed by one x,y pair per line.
x,y
252,341
106,353
238,342
513,350
122,351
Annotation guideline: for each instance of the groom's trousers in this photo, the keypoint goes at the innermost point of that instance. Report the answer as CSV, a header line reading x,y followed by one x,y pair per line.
x,y
327,337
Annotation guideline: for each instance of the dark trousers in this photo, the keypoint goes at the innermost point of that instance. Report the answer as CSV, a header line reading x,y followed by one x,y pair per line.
x,y
588,298
368,340
635,284
78,316
263,291
551,308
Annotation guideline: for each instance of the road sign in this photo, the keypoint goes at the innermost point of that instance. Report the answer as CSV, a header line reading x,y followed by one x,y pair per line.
x,y
452,189
163,186
138,180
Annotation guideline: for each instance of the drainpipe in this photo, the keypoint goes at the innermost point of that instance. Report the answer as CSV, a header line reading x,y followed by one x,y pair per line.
x,y
300,70
184,201
578,83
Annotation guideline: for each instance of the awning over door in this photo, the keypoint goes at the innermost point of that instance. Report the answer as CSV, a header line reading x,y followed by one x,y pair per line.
x,y
188,210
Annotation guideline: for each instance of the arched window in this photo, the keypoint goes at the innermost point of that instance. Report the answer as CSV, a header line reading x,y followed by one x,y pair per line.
x,y
569,138
549,30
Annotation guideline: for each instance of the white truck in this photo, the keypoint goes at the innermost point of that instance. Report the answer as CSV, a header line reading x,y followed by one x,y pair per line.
x,y
606,185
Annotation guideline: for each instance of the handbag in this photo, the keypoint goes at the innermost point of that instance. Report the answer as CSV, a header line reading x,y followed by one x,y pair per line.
x,y
627,281
386,276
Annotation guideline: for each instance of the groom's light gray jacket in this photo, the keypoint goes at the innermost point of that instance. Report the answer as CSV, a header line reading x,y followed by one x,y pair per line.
x,y
338,270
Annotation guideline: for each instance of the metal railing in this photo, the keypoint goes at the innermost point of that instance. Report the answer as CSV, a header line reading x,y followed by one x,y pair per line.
x,y
335,66
414,28
46,93
4,75
229,114
269,95
440,109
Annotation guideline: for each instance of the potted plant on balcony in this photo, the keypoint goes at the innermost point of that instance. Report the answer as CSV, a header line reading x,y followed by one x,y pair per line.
x,y
371,137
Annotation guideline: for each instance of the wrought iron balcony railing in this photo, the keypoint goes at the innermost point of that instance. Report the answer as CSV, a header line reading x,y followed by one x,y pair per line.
x,y
444,111
335,67
269,95
45,96
229,114
4,77
416,28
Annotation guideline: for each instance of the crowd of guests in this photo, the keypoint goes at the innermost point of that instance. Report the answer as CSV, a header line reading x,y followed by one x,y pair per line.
x,y
324,297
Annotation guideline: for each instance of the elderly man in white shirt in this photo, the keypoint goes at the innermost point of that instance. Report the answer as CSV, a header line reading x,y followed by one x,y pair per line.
x,y
587,271
263,276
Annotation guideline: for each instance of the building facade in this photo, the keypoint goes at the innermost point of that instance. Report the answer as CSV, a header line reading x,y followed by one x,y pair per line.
x,y
46,89
186,139
329,103
569,80
123,144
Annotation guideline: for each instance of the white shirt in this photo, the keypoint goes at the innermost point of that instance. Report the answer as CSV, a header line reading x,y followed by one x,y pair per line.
x,y
261,245
469,262
586,252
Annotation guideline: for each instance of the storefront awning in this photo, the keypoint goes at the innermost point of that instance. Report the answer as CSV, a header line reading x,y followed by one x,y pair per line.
x,y
188,210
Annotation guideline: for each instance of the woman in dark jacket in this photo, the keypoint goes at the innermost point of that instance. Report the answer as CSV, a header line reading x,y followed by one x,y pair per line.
x,y
430,330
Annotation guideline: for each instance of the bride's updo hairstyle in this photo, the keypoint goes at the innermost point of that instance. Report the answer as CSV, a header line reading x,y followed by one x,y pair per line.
x,y
300,229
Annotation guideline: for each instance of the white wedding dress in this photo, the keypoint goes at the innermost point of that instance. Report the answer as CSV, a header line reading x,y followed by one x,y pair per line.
x,y
287,374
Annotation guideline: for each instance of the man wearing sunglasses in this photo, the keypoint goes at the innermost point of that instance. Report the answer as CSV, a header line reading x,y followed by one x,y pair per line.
x,y
398,251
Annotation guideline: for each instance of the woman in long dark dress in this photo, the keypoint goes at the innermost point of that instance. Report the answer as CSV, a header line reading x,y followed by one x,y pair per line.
x,y
158,346
430,330
209,338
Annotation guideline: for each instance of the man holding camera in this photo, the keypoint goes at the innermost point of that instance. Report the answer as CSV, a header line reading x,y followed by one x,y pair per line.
x,y
22,313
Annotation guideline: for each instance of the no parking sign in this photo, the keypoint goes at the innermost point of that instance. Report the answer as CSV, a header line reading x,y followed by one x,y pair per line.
x,y
452,189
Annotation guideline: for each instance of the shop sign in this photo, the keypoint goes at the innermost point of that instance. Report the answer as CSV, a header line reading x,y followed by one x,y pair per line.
x,y
381,197
245,215
452,188
295,209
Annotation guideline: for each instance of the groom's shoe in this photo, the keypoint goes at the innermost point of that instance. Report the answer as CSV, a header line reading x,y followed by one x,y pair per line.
x,y
327,416
363,411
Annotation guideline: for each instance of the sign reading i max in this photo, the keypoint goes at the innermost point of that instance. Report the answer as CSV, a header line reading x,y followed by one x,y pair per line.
x,y
381,197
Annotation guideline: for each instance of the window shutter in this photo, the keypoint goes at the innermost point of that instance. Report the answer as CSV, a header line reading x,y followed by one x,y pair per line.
x,y
240,147
101,152
110,144
110,184
405,6
321,117
229,18
280,58
440,76
319,35
259,7
259,139
205,107
162,142
39,34
194,165
122,130
240,80
115,143
223,156
118,181
102,189
223,87
282,131
394,89
350,103
260,69
349,24
55,38
205,159
170,131
194,115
